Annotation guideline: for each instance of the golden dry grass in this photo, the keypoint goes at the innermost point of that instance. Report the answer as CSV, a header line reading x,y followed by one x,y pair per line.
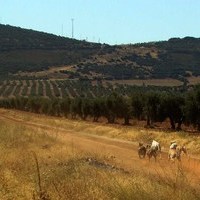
x,y
128,133
193,80
65,172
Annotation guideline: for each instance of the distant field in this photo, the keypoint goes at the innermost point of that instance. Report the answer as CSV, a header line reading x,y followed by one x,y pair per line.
x,y
62,88
194,80
154,82
73,88
52,88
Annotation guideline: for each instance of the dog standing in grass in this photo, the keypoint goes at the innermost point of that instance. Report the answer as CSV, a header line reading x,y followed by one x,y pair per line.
x,y
153,150
175,153
142,150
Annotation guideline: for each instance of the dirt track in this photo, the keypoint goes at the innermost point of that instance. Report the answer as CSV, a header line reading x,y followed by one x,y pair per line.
x,y
123,154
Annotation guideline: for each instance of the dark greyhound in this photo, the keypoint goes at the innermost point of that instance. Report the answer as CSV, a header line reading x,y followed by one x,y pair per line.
x,y
142,151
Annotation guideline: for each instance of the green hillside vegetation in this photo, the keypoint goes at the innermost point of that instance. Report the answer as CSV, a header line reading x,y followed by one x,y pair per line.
x,y
28,50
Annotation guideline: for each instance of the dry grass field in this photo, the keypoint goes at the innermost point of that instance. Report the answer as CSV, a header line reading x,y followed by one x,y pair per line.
x,y
53,158
193,80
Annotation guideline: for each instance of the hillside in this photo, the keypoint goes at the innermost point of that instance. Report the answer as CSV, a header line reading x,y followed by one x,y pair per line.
x,y
35,63
23,51
176,58
28,50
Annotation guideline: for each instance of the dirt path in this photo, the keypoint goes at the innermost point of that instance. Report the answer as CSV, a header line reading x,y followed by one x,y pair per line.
x,y
123,153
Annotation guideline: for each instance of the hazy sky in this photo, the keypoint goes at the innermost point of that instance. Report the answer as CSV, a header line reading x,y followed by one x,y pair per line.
x,y
111,21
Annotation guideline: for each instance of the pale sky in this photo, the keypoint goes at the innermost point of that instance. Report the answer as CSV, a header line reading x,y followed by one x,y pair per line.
x,y
110,21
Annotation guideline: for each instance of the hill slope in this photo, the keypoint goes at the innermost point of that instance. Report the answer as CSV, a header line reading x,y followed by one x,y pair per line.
x,y
28,50
175,58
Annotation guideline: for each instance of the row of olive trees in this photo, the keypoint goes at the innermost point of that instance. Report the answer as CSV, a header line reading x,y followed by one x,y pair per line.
x,y
149,106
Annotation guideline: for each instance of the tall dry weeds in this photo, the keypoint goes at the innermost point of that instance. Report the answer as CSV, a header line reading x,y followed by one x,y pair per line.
x,y
64,172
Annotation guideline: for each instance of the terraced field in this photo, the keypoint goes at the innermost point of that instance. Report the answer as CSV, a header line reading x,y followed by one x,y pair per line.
x,y
68,88
54,88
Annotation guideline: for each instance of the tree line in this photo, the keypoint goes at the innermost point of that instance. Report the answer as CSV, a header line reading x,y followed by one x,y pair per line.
x,y
152,106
